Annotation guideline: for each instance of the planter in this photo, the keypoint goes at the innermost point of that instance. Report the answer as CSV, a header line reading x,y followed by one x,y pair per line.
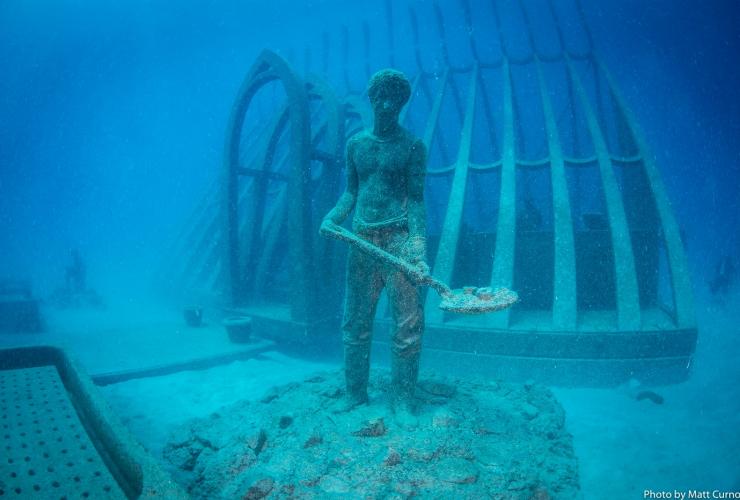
x,y
193,316
239,328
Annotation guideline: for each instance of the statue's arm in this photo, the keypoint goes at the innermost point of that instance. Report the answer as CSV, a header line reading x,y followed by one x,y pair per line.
x,y
417,215
417,172
346,202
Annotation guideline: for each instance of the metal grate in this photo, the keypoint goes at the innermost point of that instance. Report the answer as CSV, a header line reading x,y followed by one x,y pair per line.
x,y
46,451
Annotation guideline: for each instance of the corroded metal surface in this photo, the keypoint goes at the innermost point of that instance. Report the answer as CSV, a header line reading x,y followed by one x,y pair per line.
x,y
61,439
48,452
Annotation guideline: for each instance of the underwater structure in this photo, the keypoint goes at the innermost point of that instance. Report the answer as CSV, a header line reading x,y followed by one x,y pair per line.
x,y
61,437
539,179
19,309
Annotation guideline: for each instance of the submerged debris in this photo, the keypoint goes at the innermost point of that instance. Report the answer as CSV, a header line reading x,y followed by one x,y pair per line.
x,y
650,395
474,440
371,428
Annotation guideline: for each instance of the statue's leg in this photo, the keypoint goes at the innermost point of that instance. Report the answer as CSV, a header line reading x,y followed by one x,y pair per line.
x,y
408,319
364,284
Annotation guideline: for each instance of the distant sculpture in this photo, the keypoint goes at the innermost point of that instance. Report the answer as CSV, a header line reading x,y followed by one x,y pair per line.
x,y
385,187
74,293
75,276
724,276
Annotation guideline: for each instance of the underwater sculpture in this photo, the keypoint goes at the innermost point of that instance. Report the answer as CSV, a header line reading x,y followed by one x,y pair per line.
x,y
723,277
75,275
385,187
75,293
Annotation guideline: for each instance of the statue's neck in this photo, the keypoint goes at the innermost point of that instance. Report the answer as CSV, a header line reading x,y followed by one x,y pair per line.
x,y
386,129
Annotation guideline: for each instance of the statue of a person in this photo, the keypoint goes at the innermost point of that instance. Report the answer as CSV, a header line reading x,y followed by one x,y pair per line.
x,y
75,276
385,187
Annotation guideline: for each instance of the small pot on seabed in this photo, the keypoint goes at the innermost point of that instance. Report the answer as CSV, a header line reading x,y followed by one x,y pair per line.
x,y
193,316
239,328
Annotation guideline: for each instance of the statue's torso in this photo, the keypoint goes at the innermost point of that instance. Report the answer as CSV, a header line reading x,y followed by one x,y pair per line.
x,y
382,171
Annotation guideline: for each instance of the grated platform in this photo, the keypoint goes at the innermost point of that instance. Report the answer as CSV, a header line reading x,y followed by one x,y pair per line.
x,y
47,451
60,439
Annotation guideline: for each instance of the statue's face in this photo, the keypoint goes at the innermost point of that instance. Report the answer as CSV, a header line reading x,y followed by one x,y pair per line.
x,y
386,104
388,91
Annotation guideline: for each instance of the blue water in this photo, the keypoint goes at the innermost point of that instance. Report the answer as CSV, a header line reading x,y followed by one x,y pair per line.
x,y
106,108
113,118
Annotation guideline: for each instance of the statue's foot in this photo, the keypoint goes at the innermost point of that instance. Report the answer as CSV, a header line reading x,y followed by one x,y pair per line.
x,y
405,415
351,401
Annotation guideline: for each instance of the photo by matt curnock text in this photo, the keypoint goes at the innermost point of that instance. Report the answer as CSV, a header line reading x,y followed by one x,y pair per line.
x,y
686,494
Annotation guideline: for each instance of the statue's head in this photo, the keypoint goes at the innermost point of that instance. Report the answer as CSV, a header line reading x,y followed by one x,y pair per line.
x,y
388,91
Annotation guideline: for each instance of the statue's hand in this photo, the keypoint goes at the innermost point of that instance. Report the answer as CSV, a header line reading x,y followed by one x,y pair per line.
x,y
415,252
423,267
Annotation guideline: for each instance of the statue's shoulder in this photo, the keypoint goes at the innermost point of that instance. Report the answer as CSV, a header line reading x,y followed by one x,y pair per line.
x,y
413,141
417,151
359,137
416,145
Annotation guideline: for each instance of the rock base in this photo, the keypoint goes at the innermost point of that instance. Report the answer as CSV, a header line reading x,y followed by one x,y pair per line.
x,y
472,440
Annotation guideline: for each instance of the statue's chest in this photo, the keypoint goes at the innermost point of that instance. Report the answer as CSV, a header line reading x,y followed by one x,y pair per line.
x,y
387,160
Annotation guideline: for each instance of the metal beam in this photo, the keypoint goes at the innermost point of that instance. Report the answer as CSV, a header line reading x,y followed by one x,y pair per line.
x,y
683,295
565,305
502,273
625,276
414,87
268,67
433,119
449,239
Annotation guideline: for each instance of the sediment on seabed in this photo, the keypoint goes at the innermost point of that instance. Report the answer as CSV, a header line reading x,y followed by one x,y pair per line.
x,y
474,439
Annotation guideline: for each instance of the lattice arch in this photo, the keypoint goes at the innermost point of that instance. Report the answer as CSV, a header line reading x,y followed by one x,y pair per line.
x,y
539,179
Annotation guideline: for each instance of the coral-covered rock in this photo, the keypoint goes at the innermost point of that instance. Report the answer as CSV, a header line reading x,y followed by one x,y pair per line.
x,y
475,439
371,428
457,470
393,458
260,489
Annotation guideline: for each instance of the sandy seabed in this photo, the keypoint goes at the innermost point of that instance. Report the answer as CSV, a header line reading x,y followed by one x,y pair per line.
x,y
624,446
